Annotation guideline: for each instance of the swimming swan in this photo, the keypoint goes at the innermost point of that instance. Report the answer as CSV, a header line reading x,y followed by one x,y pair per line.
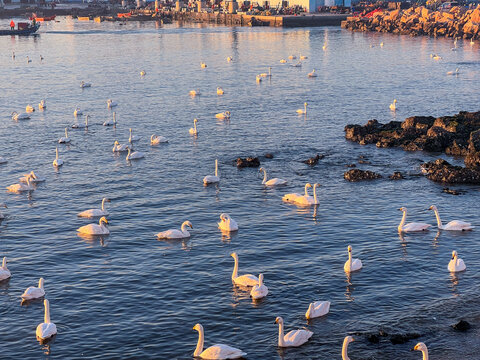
x,y
259,291
81,126
34,178
243,280
423,348
143,73
307,199
57,162
77,112
203,65
29,108
212,179
33,292
194,93
258,79
64,139
292,57
456,72
283,61
229,59
111,103
21,186
456,264
411,227
135,155
292,196
312,74
193,131
132,137
393,106
111,122
269,74
302,111
352,265
217,351
42,105
95,212
94,229
156,140
176,234
117,147
20,116
293,338
271,182
223,115
454,225
84,84
220,91
346,341
227,223
46,329
317,309
4,272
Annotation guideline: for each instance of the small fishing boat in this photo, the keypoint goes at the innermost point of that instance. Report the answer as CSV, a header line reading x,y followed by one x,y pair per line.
x,y
25,31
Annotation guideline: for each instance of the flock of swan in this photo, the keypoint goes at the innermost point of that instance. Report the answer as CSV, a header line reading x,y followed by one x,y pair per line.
x,y
256,286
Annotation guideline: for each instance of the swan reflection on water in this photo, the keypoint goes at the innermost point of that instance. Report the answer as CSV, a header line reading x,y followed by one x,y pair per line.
x,y
184,243
227,236
349,290
102,240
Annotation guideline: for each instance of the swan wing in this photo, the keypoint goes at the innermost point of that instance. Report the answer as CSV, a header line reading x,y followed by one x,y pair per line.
x,y
93,229
209,179
275,181
411,227
222,351
290,197
458,225
259,292
321,308
356,264
4,274
33,293
92,213
297,337
46,330
304,200
246,280
171,234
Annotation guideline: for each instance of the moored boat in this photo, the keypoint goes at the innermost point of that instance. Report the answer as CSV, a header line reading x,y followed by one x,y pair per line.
x,y
25,31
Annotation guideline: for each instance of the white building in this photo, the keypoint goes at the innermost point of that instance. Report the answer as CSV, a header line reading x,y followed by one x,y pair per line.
x,y
310,5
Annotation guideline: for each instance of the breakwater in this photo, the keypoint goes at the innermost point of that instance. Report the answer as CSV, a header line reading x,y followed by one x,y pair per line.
x,y
458,22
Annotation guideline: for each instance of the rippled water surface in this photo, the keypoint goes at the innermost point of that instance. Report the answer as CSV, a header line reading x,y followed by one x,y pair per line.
x,y
130,295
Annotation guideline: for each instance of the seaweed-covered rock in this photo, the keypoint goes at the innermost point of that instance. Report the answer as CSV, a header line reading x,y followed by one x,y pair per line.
x,y
314,160
397,175
358,175
442,171
403,338
248,162
462,325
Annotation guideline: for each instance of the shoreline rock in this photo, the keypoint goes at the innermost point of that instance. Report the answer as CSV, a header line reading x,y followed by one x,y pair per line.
x,y
247,162
359,175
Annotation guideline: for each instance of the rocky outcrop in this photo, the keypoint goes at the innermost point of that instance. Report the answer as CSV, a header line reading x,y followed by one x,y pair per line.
x,y
458,22
462,325
314,160
248,162
358,175
453,135
397,175
442,171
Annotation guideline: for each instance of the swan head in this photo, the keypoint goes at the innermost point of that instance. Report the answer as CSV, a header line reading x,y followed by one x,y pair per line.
x,y
40,283
4,262
195,120
420,347
433,207
234,255
187,223
198,327
454,255
394,100
103,220
224,217
349,248
308,185
305,104
106,199
116,143
403,209
348,339
279,320
227,113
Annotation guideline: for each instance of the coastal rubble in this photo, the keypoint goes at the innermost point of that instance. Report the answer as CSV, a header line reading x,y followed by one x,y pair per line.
x,y
359,175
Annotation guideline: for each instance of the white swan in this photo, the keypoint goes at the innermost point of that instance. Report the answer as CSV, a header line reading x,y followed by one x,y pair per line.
x,y
28,60
243,280
34,178
324,47
20,116
77,112
46,329
298,64
135,155
259,291
352,265
94,229
293,338
203,65
21,186
1,214
4,272
223,115
456,264
117,147
271,182
220,91
33,292
29,108
229,59
111,103
304,110
456,72
317,309
423,348
42,105
258,79
307,199
283,61
227,223
84,84
81,126
3,160
132,137
143,73
303,57
381,44
212,179
471,41
346,341
194,93
411,227
269,74
57,162
454,225
176,234
156,140
193,131
217,351
95,212
312,74
393,106
64,139
292,57
292,196
111,122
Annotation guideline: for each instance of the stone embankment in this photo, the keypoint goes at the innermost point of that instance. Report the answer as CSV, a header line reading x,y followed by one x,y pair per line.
x,y
458,22
454,135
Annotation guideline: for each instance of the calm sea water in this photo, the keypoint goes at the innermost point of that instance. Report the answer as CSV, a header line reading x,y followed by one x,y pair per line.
x,y
130,295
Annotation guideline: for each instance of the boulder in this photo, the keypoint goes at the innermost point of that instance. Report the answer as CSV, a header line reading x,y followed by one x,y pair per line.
x,y
314,160
248,162
397,175
462,325
359,175
442,171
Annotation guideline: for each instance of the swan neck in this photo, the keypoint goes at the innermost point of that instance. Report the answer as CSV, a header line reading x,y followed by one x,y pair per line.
x,y
345,350
306,190
425,354
114,117
199,348
195,126
235,268
315,193
4,262
216,168
66,133
439,221
47,313
404,217
56,153
260,281
281,341
264,176
103,204
40,283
